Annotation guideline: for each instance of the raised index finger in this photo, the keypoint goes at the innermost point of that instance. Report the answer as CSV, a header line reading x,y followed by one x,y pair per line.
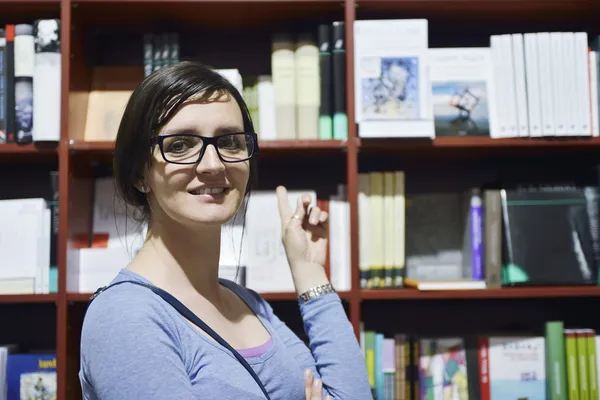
x,y
285,211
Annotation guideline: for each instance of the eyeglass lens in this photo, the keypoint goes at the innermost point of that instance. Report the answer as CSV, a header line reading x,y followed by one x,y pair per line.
x,y
231,147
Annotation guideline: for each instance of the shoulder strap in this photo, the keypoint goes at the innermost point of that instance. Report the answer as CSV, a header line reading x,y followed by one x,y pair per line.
x,y
183,310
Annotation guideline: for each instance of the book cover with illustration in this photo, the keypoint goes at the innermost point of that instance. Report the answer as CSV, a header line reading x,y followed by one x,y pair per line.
x,y
443,369
31,377
512,368
462,91
391,89
391,80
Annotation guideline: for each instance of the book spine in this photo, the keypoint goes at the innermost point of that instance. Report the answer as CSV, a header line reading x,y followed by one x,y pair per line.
x,y
592,363
484,367
493,238
148,54
556,378
9,68
46,80
325,66
340,119
2,87
174,48
582,364
571,358
157,53
24,50
476,236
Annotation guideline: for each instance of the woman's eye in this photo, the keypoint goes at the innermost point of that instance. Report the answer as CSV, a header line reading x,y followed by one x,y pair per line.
x,y
177,146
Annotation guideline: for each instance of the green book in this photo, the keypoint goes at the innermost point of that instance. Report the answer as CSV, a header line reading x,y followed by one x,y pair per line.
x,y
592,366
572,370
556,379
582,357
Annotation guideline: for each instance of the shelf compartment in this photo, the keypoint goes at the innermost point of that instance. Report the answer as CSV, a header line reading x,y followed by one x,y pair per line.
x,y
502,293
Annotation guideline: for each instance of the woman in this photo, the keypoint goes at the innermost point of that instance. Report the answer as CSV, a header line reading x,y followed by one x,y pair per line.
x,y
134,344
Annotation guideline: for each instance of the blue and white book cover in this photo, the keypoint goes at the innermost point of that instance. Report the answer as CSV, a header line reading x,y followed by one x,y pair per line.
x,y
31,377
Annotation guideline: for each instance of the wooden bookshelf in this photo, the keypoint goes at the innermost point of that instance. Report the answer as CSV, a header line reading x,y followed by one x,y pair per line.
x,y
243,28
28,298
281,296
265,146
482,294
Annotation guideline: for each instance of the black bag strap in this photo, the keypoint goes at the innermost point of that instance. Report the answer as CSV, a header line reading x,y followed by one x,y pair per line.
x,y
183,310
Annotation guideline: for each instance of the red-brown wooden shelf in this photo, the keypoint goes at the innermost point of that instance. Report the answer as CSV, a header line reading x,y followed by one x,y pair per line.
x,y
265,146
204,1
502,293
477,142
30,148
281,296
28,298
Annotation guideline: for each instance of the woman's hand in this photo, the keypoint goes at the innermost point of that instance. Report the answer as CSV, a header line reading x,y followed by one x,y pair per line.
x,y
304,235
313,388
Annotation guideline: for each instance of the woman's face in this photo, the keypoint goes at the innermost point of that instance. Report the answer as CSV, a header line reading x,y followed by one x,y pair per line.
x,y
211,191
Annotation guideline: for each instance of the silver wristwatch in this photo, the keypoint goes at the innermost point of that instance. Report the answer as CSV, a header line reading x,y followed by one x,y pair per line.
x,y
315,292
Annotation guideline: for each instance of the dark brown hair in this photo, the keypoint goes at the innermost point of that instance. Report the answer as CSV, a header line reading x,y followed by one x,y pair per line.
x,y
152,104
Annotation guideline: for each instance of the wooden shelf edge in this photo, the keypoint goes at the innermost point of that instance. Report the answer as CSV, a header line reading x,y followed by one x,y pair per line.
x,y
476,142
280,296
30,148
21,2
503,293
28,298
266,146
200,1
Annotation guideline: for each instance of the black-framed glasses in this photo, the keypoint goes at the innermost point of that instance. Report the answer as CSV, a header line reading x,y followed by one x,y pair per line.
x,y
183,148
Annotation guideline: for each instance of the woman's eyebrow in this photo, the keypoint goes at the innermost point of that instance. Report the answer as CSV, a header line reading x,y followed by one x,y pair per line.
x,y
221,130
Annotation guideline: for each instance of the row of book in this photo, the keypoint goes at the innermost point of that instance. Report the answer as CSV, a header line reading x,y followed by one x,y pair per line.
x,y
251,249
487,237
561,364
533,84
30,78
303,96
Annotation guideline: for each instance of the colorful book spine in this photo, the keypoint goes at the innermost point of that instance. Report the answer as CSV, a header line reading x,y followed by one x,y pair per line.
x,y
325,67
555,361
476,211
592,363
340,119
572,370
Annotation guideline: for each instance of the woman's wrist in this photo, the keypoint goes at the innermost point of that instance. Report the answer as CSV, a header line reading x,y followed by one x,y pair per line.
x,y
308,276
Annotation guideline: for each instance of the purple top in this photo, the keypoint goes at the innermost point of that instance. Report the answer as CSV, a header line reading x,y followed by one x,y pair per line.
x,y
256,351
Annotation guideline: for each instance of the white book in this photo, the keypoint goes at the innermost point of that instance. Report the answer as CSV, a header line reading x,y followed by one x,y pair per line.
x,y
264,255
508,78
583,120
593,66
25,241
463,91
534,102
266,108
391,78
519,84
364,222
400,223
559,83
547,86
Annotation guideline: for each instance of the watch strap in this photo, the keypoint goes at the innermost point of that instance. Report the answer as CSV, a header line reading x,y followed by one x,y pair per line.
x,y
316,292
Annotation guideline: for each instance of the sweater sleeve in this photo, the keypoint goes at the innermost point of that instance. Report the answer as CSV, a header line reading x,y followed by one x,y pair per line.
x,y
127,353
334,354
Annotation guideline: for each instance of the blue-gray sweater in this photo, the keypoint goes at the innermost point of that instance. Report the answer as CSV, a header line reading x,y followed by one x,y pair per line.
x,y
134,345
